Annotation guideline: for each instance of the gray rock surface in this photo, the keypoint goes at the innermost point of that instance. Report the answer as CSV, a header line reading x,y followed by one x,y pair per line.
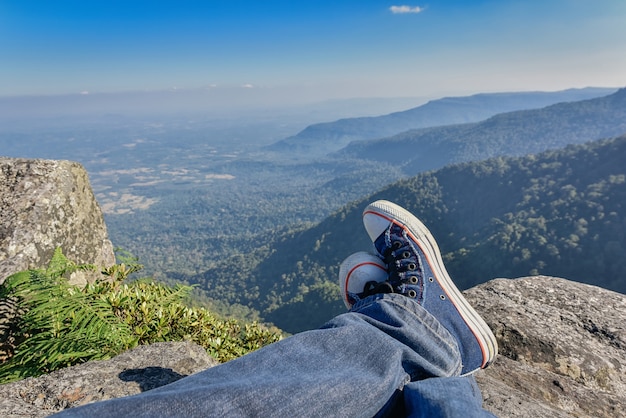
x,y
562,348
135,371
47,204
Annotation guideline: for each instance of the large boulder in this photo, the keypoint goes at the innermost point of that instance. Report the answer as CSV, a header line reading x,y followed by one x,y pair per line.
x,y
47,204
562,348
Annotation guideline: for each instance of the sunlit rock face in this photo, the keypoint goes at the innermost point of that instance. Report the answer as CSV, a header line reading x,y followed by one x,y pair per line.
x,y
47,204
562,348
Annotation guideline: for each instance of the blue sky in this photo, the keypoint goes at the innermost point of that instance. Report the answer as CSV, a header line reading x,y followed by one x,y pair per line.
x,y
311,49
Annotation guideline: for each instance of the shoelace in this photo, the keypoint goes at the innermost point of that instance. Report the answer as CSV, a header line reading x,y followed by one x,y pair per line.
x,y
404,269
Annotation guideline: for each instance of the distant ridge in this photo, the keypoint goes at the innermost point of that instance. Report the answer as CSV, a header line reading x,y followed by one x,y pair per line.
x,y
512,134
327,137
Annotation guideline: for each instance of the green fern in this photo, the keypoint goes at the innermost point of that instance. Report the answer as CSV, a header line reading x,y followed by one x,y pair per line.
x,y
62,324
65,325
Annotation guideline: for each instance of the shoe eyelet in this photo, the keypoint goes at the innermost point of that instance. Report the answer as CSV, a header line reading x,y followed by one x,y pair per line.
x,y
412,293
442,297
430,279
406,254
411,266
396,244
413,279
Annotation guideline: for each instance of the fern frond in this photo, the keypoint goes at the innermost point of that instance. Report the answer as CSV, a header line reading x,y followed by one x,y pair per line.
x,y
60,265
63,325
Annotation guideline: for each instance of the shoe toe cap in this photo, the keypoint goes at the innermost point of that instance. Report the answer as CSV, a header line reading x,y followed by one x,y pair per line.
x,y
375,224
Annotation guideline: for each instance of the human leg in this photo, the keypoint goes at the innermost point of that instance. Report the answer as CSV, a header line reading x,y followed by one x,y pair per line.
x,y
358,363
352,366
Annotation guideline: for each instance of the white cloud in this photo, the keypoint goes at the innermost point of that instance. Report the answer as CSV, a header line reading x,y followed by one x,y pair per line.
x,y
247,86
406,9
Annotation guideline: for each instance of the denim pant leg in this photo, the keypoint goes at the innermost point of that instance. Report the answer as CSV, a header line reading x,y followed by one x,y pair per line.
x,y
444,397
352,366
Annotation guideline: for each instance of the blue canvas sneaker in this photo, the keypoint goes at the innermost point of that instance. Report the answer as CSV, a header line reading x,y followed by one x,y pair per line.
x,y
359,275
416,270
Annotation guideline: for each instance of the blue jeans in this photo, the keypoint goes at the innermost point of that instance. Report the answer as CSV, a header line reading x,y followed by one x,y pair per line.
x,y
387,356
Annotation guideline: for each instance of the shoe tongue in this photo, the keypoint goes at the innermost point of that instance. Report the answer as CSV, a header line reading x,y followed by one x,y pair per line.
x,y
381,244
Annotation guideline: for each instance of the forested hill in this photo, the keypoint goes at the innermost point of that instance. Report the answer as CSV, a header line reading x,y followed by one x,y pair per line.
x,y
515,134
558,213
331,136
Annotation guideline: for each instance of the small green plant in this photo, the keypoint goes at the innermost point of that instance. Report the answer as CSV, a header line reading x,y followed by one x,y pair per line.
x,y
65,325
62,324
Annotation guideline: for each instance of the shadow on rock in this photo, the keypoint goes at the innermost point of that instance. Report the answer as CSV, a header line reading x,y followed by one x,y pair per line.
x,y
150,377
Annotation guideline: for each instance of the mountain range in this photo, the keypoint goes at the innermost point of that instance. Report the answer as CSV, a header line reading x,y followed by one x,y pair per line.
x,y
513,133
331,136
